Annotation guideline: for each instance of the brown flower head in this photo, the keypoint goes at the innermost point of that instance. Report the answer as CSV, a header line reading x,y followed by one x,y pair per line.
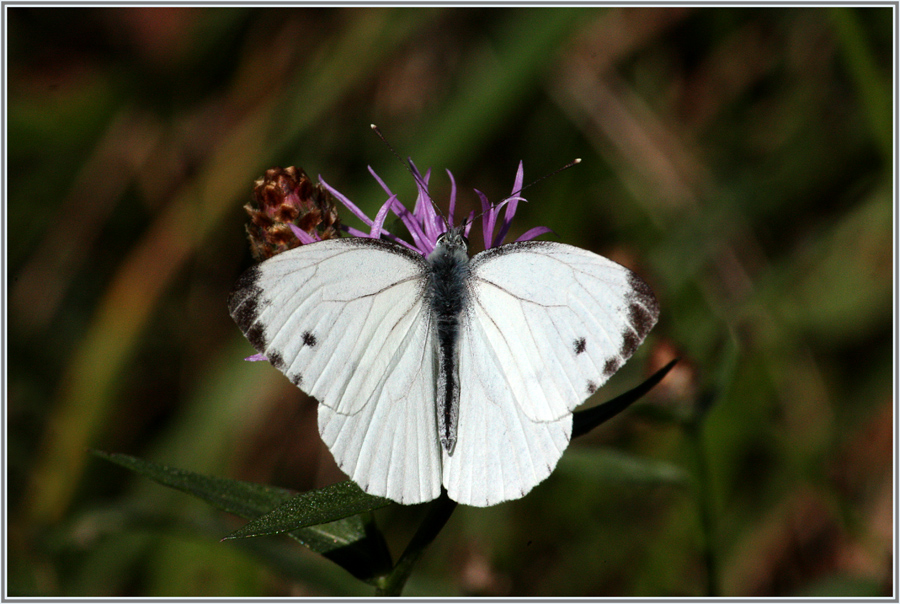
x,y
284,197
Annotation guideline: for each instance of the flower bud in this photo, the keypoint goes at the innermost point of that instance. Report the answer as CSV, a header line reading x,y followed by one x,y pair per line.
x,y
285,196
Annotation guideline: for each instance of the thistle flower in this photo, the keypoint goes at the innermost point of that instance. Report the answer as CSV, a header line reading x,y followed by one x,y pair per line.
x,y
424,223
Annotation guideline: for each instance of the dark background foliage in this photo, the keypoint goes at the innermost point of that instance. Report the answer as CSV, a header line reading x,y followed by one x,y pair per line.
x,y
738,159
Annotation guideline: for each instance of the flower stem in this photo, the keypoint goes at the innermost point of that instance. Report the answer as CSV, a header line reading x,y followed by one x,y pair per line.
x,y
438,513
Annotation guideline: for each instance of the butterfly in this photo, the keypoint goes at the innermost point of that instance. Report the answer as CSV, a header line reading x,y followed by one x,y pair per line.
x,y
444,370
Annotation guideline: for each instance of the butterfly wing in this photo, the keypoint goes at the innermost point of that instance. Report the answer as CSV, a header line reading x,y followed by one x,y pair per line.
x,y
546,326
345,320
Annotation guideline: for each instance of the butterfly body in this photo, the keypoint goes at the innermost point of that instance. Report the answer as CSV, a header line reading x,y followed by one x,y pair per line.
x,y
448,297
448,370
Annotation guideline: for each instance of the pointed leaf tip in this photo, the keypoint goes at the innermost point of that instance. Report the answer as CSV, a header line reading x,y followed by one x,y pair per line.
x,y
349,542
334,502
585,421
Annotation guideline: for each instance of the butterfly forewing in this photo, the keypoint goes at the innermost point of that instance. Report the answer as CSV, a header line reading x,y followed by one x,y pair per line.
x,y
559,320
344,320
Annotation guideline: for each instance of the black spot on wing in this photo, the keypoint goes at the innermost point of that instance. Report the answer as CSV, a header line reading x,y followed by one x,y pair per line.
x,y
611,366
629,345
580,345
591,387
276,360
257,336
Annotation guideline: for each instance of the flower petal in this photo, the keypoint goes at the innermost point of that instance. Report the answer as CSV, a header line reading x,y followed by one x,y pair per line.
x,y
394,204
302,235
533,233
487,219
379,181
468,223
425,208
420,242
357,233
512,202
452,199
378,223
349,204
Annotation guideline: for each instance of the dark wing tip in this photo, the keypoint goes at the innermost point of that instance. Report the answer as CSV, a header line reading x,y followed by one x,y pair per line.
x,y
243,306
246,289
643,311
644,306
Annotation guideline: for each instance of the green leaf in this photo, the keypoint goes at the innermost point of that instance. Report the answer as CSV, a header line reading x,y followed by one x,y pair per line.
x,y
328,504
245,499
353,543
585,421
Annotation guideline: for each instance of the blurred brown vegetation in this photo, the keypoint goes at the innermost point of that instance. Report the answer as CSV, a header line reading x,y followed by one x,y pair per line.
x,y
737,158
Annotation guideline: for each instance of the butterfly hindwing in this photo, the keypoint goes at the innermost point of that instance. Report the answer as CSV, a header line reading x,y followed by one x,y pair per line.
x,y
500,453
345,320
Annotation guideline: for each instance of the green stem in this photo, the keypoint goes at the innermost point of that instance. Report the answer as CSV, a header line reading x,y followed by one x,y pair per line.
x,y
706,506
437,516
379,547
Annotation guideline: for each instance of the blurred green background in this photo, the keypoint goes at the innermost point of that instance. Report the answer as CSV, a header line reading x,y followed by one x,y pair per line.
x,y
738,159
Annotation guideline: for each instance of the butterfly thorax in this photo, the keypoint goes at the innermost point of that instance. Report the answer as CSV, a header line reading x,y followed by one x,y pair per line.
x,y
449,268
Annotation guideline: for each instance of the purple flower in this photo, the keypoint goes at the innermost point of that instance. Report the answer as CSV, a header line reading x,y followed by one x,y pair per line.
x,y
424,223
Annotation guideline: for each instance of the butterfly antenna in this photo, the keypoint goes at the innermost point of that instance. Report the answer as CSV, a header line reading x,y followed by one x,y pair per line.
x,y
505,200
418,179
574,162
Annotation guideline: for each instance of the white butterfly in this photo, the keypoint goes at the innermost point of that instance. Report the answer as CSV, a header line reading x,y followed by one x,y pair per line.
x,y
444,370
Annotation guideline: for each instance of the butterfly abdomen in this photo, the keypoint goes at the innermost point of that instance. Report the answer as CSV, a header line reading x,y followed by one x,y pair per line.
x,y
449,267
